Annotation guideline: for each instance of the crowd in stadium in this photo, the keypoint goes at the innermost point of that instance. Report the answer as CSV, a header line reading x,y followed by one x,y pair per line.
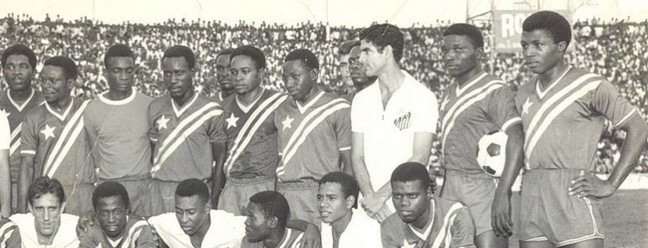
x,y
173,134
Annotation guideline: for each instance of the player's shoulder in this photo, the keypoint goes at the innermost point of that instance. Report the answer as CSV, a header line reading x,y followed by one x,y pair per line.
x,y
362,97
447,206
38,112
392,223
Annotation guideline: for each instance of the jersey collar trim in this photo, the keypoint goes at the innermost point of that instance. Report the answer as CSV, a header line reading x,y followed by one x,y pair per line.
x,y
310,103
18,106
248,107
178,112
460,90
541,93
57,115
124,101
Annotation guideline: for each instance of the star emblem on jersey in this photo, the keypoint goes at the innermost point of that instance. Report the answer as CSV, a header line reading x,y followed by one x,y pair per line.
x,y
525,107
4,112
231,121
48,132
287,123
162,122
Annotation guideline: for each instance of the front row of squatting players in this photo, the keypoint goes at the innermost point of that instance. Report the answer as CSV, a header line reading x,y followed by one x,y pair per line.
x,y
287,171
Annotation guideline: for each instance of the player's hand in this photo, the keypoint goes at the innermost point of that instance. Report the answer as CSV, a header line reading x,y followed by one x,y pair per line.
x,y
382,215
311,237
373,203
587,185
85,222
501,214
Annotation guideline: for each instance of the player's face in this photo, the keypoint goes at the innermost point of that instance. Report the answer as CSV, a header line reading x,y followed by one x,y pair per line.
x,y
223,72
411,199
192,213
18,72
246,78
47,214
344,67
111,214
257,226
358,74
372,58
298,80
178,77
54,85
459,55
540,52
120,74
332,203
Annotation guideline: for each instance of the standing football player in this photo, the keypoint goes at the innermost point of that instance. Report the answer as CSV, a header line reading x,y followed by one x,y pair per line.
x,y
53,143
223,75
183,127
248,132
393,119
474,105
564,111
18,69
314,135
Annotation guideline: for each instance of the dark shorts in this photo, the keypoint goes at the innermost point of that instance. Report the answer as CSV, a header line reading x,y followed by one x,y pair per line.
x,y
475,191
236,194
549,213
302,199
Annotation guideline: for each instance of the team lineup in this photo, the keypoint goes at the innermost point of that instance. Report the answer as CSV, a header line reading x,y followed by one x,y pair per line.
x,y
252,167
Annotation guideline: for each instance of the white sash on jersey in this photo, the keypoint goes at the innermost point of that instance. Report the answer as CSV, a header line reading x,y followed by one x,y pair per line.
x,y
6,231
68,137
445,234
463,103
306,126
130,241
554,106
15,139
250,127
182,131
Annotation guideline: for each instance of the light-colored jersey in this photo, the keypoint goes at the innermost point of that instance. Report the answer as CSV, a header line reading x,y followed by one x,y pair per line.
x,y
362,231
563,123
251,136
482,105
15,113
118,136
65,237
226,230
183,138
450,225
292,239
137,234
58,144
312,136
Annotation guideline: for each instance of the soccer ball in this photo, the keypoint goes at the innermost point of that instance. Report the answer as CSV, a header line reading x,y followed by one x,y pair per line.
x,y
491,153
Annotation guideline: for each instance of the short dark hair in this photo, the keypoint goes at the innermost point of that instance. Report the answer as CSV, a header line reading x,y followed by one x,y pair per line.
x,y
181,51
385,34
308,58
192,186
68,65
44,185
553,22
471,31
348,184
226,51
254,53
346,46
272,204
118,50
19,49
108,189
411,171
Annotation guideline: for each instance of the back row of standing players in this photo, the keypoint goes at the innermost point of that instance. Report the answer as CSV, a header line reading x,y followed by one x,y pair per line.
x,y
247,139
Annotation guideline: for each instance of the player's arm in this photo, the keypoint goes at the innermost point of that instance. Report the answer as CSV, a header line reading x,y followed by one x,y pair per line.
x,y
25,178
346,161
589,185
218,175
358,163
5,187
501,210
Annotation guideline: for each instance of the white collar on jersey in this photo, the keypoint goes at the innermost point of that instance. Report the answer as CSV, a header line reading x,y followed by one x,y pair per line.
x,y
470,83
126,100
428,228
65,113
310,103
248,107
178,112
541,93
15,104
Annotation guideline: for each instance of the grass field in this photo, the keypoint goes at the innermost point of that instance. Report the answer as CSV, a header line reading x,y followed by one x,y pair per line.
x,y
626,219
